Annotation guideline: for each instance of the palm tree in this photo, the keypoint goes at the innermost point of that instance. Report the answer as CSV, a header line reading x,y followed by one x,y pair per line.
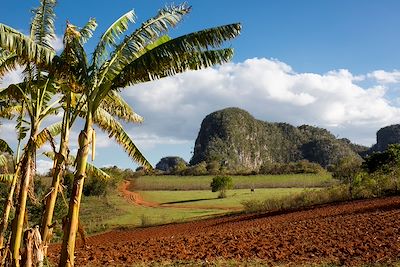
x,y
74,106
142,56
36,92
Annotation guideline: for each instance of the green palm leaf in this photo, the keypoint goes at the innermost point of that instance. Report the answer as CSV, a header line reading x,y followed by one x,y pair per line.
x,y
6,178
115,130
87,31
4,147
154,65
134,45
8,62
24,47
42,26
3,160
110,36
48,134
115,105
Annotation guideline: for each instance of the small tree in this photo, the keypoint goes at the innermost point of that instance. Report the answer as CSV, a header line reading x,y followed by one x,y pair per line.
x,y
221,184
346,171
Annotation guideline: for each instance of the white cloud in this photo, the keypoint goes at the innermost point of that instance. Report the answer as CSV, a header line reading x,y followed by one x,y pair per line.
x,y
385,77
57,43
43,166
270,90
11,77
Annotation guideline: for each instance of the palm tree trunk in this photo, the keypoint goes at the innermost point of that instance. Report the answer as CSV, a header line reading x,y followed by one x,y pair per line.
x,y
8,204
68,246
18,222
59,163
7,207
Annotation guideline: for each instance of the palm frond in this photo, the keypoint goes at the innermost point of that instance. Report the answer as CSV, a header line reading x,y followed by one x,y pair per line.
x,y
48,134
71,66
24,47
90,168
6,178
8,62
9,112
110,37
135,44
115,130
154,65
4,147
115,105
42,25
87,31
3,161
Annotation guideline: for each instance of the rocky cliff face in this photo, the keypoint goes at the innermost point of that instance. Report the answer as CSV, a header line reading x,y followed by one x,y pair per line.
x,y
386,136
235,138
168,164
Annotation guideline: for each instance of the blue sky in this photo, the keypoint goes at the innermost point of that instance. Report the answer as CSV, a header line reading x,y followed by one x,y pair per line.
x,y
327,63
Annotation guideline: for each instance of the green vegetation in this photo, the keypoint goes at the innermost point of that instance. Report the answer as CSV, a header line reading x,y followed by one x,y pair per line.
x,y
242,144
221,184
170,182
176,206
205,198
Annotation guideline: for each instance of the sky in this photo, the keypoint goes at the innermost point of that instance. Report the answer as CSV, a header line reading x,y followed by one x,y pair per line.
x,y
331,64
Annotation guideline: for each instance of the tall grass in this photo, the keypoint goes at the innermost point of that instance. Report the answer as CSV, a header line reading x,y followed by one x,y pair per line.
x,y
306,198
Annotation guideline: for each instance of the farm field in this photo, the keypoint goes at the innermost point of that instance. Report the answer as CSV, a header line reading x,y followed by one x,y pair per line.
x,y
159,204
352,233
124,209
203,198
171,182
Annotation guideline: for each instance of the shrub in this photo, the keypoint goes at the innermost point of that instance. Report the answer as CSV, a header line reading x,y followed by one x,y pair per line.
x,y
221,184
303,199
346,171
302,166
198,169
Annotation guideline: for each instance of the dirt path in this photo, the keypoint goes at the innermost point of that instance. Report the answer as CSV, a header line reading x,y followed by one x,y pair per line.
x,y
344,234
136,199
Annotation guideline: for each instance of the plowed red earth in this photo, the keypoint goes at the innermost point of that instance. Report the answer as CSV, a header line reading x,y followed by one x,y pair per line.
x,y
350,233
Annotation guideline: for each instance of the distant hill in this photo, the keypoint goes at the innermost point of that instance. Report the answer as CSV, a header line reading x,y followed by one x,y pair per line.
x,y
235,138
168,164
386,136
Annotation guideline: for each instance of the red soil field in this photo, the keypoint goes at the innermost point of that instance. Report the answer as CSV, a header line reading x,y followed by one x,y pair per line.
x,y
351,233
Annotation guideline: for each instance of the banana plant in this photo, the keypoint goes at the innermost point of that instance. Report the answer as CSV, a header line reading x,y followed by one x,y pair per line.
x,y
139,57
74,106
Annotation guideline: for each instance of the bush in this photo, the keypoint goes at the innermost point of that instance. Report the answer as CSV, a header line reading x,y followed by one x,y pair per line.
x,y
221,184
196,170
346,171
302,166
303,199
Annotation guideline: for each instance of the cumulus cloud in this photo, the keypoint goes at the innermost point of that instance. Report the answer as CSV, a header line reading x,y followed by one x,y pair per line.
x,y
385,77
43,166
57,43
11,77
270,90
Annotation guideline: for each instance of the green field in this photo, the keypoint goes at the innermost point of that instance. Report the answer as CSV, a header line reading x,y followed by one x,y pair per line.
x,y
203,198
170,182
101,213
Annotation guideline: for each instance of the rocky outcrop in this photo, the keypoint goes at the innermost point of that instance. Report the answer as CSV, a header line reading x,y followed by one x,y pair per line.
x,y
168,164
236,139
386,136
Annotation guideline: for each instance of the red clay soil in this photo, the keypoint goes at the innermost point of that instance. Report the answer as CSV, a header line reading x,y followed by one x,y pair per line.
x,y
348,234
